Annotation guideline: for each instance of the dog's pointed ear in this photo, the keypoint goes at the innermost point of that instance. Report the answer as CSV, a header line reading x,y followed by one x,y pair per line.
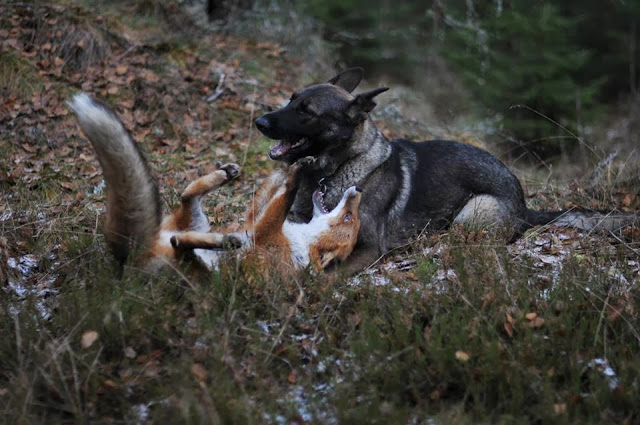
x,y
348,79
363,103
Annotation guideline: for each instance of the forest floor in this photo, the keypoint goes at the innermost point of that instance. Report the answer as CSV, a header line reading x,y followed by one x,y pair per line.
x,y
456,327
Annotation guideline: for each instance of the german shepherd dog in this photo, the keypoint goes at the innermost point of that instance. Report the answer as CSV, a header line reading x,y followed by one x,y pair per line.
x,y
134,224
407,186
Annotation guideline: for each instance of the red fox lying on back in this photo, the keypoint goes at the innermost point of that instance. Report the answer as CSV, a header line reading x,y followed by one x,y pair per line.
x,y
329,236
133,221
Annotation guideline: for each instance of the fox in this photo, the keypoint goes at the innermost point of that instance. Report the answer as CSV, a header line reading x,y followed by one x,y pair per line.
x,y
136,231
329,237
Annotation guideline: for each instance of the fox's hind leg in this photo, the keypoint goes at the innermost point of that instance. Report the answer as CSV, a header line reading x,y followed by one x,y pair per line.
x,y
206,184
189,215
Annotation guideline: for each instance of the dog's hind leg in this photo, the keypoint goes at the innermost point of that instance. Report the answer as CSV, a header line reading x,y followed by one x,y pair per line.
x,y
485,212
189,215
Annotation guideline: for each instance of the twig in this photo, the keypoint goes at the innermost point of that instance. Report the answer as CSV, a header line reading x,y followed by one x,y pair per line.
x,y
410,243
253,108
579,139
218,90
626,245
595,175
632,328
292,310
126,52
601,318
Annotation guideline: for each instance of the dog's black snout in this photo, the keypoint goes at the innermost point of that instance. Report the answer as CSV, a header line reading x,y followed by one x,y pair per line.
x,y
263,124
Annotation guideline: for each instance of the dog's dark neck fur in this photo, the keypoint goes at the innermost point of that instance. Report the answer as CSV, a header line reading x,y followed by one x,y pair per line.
x,y
335,171
368,146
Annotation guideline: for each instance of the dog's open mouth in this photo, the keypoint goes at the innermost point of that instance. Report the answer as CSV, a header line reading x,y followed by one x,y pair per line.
x,y
285,146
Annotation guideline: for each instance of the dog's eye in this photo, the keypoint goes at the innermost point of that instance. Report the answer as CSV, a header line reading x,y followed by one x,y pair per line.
x,y
305,107
347,217
293,97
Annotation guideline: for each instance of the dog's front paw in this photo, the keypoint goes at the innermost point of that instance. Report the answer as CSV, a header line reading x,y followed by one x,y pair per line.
x,y
232,170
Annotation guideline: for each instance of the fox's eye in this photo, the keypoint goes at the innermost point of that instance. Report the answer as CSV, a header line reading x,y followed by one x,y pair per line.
x,y
347,217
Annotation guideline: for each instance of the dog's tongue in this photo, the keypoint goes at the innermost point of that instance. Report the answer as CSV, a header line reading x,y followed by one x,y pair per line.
x,y
279,149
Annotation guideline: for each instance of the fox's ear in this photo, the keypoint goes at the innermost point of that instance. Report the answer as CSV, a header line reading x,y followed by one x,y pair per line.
x,y
348,79
363,103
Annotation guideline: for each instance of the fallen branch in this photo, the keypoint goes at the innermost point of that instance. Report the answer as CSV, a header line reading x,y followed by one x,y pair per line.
x,y
220,89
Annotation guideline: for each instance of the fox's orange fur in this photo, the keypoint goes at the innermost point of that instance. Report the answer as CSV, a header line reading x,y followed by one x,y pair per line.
x,y
133,223
326,238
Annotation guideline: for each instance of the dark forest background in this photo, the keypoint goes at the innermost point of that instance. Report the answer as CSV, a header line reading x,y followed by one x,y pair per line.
x,y
533,67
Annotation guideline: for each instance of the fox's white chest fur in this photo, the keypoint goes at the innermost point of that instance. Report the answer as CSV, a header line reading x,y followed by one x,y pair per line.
x,y
301,236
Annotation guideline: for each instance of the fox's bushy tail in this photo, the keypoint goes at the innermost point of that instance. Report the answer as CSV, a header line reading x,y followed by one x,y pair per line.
x,y
133,201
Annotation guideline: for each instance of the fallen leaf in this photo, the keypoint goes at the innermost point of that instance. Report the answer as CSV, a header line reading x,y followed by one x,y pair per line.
x,y
560,408
88,338
613,316
72,186
292,377
129,353
141,117
462,356
199,371
508,328
150,76
121,70
531,316
109,383
538,322
126,103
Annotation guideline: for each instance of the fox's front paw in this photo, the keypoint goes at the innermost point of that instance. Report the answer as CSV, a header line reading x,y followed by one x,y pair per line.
x,y
232,241
232,170
306,162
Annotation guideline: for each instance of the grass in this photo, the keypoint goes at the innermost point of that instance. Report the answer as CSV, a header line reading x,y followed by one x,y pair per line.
x,y
242,348
18,75
457,328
